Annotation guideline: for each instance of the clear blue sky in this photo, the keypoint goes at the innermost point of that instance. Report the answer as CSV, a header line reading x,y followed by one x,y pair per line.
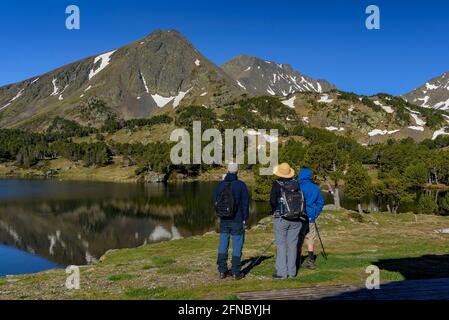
x,y
324,39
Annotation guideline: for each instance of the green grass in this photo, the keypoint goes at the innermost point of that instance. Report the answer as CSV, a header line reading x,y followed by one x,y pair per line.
x,y
121,277
186,269
158,293
146,293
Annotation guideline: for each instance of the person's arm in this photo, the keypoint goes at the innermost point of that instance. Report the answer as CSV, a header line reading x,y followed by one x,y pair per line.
x,y
216,193
274,196
245,202
319,204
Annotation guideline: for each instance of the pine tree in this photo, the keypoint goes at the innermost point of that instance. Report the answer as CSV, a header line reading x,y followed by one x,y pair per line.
x,y
357,183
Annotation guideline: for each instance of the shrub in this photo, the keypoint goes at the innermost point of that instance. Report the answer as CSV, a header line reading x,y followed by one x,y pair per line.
x,y
426,205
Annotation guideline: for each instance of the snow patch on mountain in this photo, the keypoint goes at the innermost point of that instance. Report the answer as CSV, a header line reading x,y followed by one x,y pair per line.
x,y
5,106
416,128
431,86
325,99
161,101
18,95
290,102
440,132
181,95
387,109
105,60
144,83
412,111
443,105
55,88
424,100
270,91
378,132
335,129
418,120
241,85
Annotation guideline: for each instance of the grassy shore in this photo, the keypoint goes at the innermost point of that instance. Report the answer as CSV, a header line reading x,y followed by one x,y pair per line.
x,y
69,171
404,246
116,172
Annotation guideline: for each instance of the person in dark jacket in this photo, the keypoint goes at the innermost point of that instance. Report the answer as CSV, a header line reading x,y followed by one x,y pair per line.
x,y
314,206
233,227
286,231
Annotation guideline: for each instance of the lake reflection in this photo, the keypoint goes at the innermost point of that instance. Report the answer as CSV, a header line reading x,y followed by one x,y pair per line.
x,y
65,223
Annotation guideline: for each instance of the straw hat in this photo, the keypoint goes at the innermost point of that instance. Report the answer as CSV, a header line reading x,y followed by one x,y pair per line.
x,y
284,171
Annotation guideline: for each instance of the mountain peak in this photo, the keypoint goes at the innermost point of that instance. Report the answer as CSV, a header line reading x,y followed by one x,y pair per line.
x,y
432,94
167,35
161,70
259,77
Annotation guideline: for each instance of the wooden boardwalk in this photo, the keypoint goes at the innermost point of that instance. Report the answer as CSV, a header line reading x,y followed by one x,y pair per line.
x,y
434,289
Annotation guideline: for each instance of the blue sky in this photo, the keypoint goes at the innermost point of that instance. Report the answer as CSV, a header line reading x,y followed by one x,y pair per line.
x,y
323,39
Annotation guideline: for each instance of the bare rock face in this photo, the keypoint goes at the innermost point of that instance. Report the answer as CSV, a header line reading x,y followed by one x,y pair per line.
x,y
433,94
262,77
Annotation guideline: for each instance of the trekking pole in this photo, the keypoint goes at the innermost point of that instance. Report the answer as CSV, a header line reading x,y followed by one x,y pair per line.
x,y
262,254
319,237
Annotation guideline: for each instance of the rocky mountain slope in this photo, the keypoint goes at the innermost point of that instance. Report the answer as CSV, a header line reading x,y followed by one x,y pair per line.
x,y
433,94
161,70
262,77
164,71
368,119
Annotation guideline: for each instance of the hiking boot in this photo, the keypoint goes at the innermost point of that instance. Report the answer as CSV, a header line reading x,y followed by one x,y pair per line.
x,y
224,275
239,276
277,277
309,264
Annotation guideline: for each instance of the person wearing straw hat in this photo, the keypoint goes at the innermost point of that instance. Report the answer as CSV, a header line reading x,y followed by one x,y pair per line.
x,y
286,228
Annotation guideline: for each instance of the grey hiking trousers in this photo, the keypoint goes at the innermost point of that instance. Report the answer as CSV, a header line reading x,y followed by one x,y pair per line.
x,y
286,234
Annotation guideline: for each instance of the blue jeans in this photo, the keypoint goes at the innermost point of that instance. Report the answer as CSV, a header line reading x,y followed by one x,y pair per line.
x,y
235,231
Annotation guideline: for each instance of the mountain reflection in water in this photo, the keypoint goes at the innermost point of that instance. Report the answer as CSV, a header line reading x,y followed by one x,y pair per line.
x,y
75,223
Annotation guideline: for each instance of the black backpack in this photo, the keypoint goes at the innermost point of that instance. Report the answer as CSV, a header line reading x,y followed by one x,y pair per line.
x,y
225,206
292,201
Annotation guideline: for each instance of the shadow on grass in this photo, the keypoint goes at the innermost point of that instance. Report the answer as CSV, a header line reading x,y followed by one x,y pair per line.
x,y
251,263
430,289
427,278
418,268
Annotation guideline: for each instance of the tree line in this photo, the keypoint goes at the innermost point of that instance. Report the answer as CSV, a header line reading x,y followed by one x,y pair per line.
x,y
394,171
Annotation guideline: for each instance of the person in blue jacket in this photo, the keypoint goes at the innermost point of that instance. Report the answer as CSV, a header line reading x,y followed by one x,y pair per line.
x,y
233,227
314,206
